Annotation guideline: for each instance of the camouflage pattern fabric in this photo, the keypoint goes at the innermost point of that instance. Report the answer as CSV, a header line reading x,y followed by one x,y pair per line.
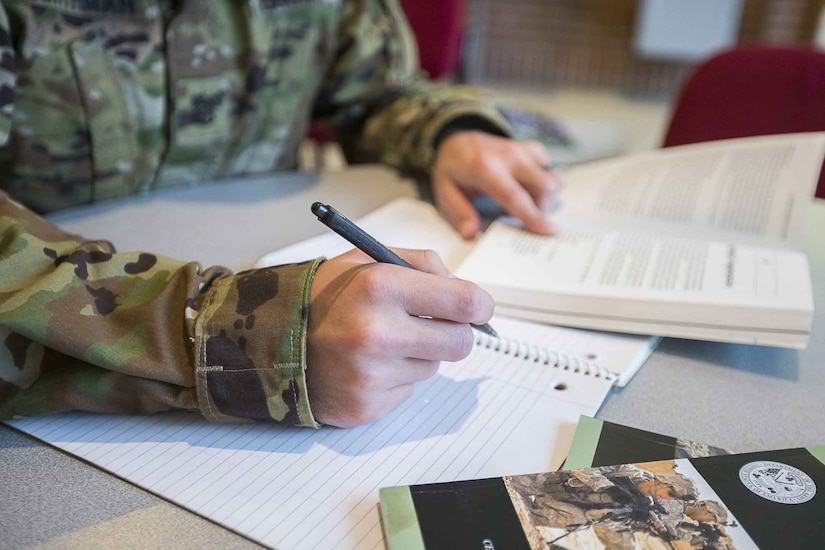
x,y
85,328
650,506
114,97
104,98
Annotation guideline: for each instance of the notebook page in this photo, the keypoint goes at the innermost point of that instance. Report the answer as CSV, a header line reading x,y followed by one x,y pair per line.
x,y
489,415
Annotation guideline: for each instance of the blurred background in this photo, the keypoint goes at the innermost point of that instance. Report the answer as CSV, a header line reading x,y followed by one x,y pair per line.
x,y
607,73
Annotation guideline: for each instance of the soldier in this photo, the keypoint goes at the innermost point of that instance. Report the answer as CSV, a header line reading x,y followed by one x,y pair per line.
x,y
105,98
624,506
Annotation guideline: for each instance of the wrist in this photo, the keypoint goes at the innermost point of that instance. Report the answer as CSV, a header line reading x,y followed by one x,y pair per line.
x,y
466,123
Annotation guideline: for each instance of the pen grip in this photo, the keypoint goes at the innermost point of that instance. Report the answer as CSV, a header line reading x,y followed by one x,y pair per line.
x,y
366,243
369,245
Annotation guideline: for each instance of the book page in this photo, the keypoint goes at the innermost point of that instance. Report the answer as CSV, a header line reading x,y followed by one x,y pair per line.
x,y
752,190
613,263
599,278
492,414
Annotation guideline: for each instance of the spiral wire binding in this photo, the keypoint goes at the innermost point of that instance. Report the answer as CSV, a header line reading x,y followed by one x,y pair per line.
x,y
543,356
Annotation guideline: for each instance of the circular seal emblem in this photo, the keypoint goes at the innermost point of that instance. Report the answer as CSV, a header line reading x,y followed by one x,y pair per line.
x,y
778,482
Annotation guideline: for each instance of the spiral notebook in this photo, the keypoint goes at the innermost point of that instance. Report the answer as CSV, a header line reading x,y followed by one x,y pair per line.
x,y
511,407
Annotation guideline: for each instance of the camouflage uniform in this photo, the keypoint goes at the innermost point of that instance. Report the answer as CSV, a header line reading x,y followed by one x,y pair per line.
x,y
647,506
103,98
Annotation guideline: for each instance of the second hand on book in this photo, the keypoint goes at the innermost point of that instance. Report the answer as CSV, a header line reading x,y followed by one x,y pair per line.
x,y
368,244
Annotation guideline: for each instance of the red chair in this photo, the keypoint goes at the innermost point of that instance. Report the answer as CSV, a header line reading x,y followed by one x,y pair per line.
x,y
750,91
438,27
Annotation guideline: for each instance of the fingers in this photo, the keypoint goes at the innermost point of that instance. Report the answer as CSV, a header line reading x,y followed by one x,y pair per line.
x,y
539,183
424,260
414,371
421,294
439,340
539,155
385,294
513,173
537,152
432,340
456,207
531,169
517,201
423,316
346,411
451,299
387,376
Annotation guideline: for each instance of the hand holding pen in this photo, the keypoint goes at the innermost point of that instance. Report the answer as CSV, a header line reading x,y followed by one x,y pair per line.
x,y
369,245
375,329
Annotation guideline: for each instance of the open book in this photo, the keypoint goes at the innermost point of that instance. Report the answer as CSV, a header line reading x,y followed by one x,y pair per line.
x,y
699,241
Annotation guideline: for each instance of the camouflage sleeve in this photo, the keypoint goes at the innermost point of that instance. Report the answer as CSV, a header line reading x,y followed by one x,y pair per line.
x,y
85,328
8,77
377,101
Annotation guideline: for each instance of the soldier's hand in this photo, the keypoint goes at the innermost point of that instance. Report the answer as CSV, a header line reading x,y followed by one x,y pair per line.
x,y
511,172
377,329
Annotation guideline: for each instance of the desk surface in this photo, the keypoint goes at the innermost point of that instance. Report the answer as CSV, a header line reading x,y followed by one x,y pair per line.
x,y
744,398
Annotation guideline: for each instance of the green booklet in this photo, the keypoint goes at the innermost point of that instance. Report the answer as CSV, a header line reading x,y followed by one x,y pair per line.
x,y
771,499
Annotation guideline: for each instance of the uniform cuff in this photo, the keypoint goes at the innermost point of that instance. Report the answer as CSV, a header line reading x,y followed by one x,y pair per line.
x,y
250,346
458,116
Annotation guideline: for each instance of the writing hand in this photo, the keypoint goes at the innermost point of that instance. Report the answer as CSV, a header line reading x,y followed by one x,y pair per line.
x,y
376,329
511,172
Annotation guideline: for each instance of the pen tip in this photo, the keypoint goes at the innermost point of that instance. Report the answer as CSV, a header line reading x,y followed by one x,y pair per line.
x,y
486,329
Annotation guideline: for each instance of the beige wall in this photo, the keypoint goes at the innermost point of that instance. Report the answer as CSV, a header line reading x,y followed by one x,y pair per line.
x,y
589,42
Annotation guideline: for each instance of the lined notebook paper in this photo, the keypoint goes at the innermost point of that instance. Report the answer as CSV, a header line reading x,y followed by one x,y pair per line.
x,y
511,407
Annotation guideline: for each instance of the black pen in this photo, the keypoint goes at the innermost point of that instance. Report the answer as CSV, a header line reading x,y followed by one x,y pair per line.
x,y
368,244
